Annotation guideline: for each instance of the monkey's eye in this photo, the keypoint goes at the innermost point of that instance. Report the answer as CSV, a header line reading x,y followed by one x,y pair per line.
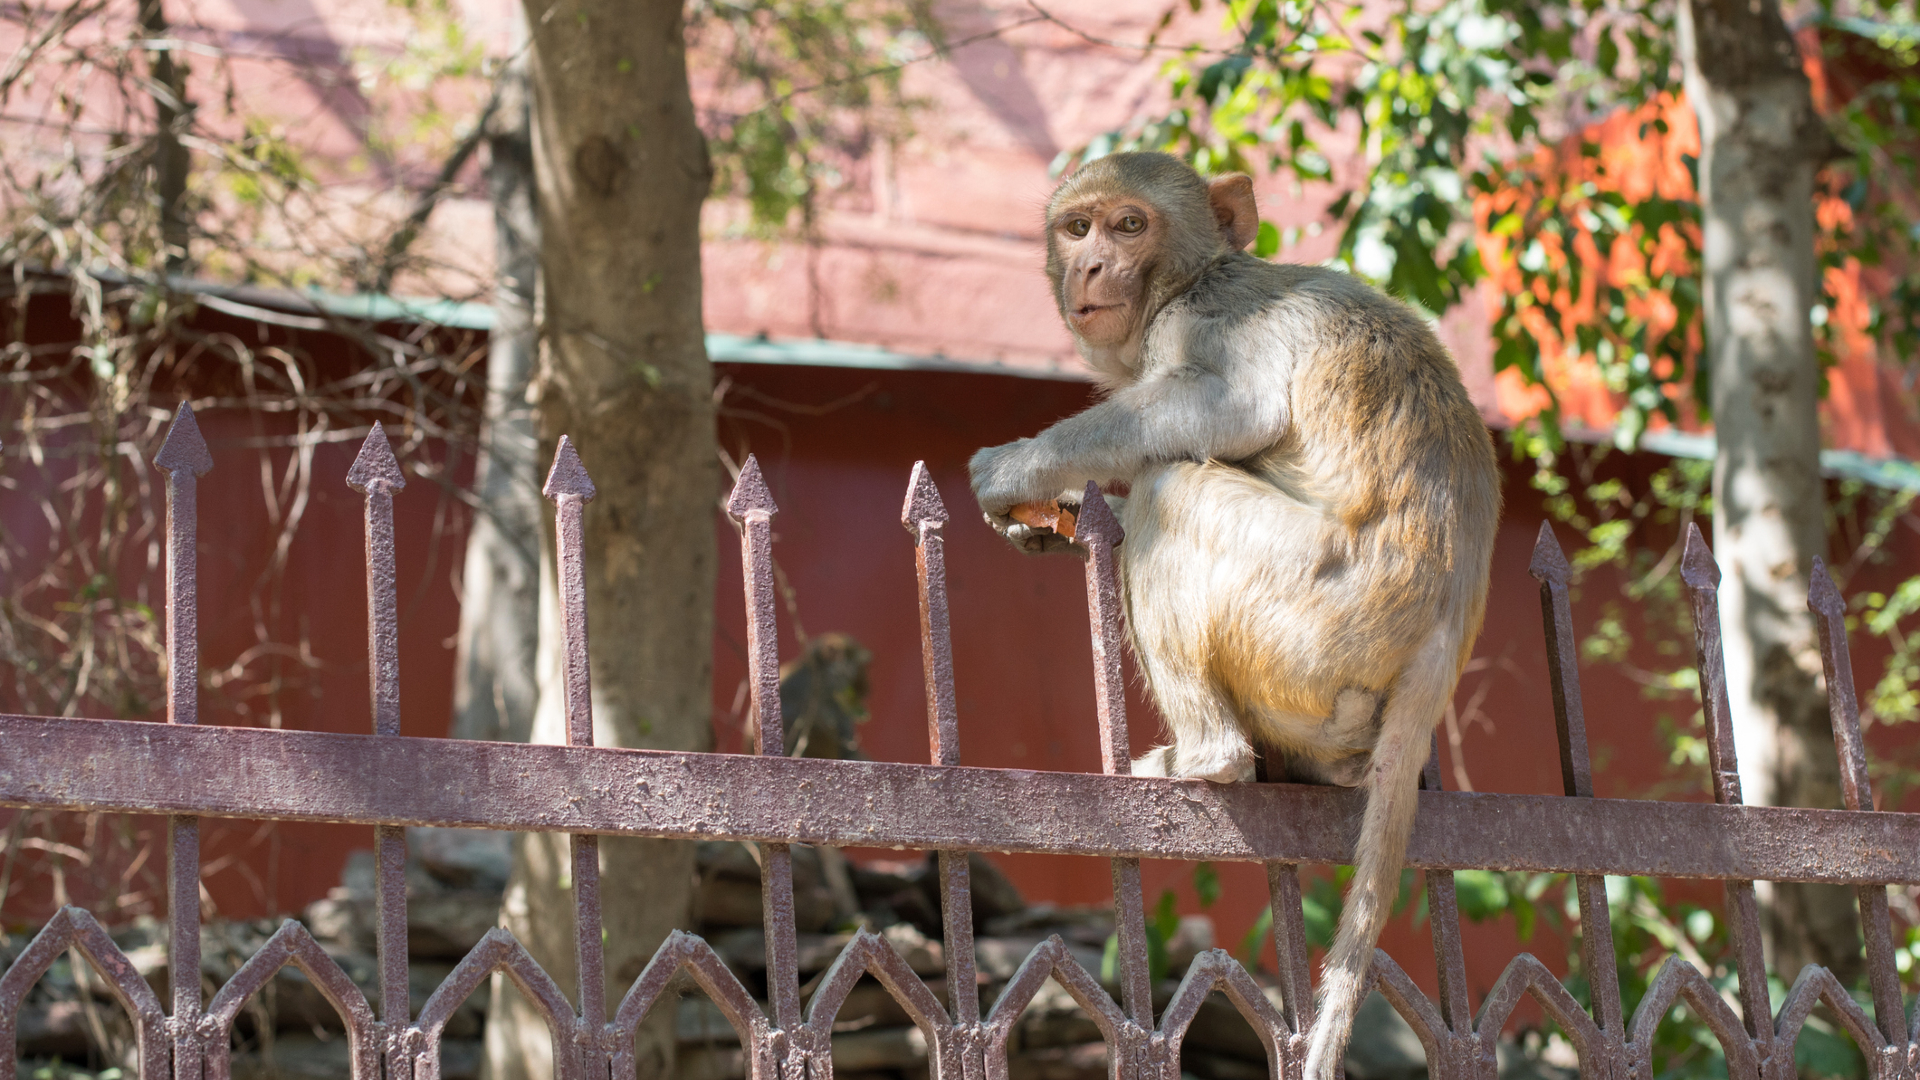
x,y
1079,227
1131,224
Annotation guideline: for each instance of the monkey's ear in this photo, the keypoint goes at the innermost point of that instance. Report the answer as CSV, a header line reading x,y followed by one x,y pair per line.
x,y
1233,207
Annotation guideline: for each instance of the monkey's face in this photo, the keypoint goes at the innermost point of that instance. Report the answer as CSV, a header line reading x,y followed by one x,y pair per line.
x,y
1103,248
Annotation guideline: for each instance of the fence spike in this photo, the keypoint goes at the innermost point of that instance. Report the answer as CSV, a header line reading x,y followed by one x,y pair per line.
x,y
751,504
1550,568
750,492
1549,562
1843,710
184,458
1096,519
1100,533
183,447
1823,597
375,464
1697,567
1701,575
923,503
568,476
569,488
925,517
376,474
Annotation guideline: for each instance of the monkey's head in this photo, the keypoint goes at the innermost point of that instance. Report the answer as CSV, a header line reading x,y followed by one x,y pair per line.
x,y
1129,232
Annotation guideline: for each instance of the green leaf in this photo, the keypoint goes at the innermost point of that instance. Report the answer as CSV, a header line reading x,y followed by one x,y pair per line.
x,y
1206,881
1265,245
1255,940
1482,895
1166,918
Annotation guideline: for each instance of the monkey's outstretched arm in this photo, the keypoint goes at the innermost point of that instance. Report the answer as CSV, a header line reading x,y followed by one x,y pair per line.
x,y
1187,414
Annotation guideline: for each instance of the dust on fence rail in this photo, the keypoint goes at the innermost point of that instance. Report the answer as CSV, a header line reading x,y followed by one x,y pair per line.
x,y
186,771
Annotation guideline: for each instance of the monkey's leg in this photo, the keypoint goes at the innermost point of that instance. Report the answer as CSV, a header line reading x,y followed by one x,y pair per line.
x,y
1208,742
1414,705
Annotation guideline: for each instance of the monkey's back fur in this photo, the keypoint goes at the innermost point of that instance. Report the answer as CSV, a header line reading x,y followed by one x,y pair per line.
x,y
1290,589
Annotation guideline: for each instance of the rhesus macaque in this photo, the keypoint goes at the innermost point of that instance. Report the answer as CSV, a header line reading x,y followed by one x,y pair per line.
x,y
1312,508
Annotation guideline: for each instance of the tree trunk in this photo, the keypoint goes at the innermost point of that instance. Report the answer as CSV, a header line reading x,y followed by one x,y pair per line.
x,y
621,172
172,113
1761,143
494,674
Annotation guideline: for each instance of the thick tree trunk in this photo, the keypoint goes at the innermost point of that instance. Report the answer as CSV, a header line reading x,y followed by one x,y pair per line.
x,y
622,170
494,674
1761,144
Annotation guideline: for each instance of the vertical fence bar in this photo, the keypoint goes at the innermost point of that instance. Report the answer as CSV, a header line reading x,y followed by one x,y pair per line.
x,y
1701,576
1549,567
1291,954
376,475
1443,916
570,489
751,504
925,517
1843,706
1101,534
184,458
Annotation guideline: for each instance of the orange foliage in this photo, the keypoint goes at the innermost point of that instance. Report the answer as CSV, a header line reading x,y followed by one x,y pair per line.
x,y
1636,160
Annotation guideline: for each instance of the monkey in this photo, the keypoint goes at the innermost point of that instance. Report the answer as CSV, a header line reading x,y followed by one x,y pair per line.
x,y
1310,516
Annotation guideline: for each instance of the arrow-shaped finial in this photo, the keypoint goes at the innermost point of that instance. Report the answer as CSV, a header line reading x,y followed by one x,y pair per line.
x,y
1549,562
568,476
184,448
923,500
1096,519
750,493
1823,598
376,464
1697,567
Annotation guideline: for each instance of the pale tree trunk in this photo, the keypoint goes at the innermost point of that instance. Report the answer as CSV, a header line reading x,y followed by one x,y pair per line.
x,y
1761,143
494,672
622,170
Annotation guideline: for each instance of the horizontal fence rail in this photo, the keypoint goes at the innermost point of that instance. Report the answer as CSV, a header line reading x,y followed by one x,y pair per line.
x,y
186,771
360,779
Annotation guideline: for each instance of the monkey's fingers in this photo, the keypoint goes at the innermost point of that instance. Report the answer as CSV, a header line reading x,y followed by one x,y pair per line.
x,y
1040,542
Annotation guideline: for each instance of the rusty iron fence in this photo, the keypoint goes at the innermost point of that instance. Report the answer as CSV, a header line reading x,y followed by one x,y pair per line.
x,y
187,771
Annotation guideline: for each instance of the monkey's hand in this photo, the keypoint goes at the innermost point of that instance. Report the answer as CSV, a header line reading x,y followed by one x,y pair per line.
x,y
1004,478
1037,540
1007,475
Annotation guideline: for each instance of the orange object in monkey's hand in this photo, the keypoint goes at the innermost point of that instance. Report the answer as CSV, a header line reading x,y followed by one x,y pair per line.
x,y
1046,514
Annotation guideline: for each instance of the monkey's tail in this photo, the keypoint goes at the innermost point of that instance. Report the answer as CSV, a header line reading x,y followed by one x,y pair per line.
x,y
1414,705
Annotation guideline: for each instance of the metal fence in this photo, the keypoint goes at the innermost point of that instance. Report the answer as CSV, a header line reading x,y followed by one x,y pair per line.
x,y
187,771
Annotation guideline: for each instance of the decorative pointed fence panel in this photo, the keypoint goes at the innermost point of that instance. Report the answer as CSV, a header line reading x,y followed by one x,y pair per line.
x,y
186,771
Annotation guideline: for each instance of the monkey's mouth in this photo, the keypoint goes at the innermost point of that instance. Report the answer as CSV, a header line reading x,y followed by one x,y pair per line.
x,y
1089,310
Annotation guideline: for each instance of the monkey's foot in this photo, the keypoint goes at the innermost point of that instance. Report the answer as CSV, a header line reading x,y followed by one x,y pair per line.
x,y
1155,762
1218,764
1222,765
